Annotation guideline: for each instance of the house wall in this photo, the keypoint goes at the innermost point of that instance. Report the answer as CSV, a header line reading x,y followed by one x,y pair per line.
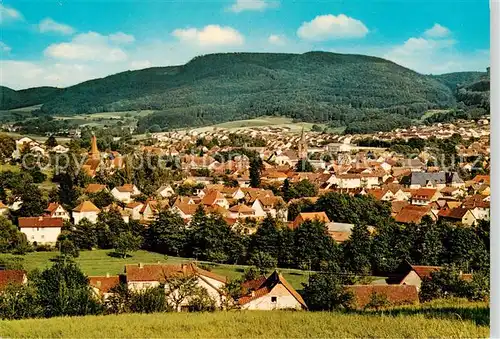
x,y
121,196
481,213
60,213
91,216
412,278
468,219
284,300
42,235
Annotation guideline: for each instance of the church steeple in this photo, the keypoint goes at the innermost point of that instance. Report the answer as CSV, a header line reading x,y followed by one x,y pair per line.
x,y
94,151
302,145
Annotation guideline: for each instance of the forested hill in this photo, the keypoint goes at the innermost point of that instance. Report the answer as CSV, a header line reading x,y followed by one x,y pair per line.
x,y
10,98
343,90
452,80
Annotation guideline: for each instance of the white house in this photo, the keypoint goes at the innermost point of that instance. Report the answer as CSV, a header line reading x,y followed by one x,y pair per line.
x,y
165,191
125,193
134,209
273,293
41,230
86,210
141,276
55,210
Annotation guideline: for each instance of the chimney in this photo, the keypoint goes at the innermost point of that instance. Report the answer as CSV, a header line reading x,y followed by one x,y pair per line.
x,y
141,265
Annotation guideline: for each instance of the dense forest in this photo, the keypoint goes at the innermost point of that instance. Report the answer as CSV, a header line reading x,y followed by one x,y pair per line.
x,y
337,89
10,98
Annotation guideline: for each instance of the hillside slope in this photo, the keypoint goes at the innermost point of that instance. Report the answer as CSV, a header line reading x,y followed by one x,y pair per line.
x,y
314,87
10,98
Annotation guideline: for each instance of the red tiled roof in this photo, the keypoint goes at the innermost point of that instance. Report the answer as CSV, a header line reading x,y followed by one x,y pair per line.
x,y
86,206
12,277
412,214
104,284
161,272
40,222
395,294
127,188
425,271
94,188
454,213
211,196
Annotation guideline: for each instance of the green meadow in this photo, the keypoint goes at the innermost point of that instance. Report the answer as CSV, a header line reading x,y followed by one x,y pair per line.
x,y
462,320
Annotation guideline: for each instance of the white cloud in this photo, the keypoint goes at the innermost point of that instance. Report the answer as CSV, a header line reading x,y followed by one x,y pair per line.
x,y
9,14
49,25
122,38
277,39
437,31
4,48
89,46
140,64
252,5
211,35
327,27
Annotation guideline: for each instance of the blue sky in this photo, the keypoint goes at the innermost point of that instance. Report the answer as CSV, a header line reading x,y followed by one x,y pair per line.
x,y
61,43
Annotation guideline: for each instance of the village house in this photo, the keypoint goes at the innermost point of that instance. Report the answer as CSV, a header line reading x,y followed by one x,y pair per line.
x,y
458,214
134,209
95,188
413,214
165,191
437,180
125,193
55,210
102,285
425,196
273,293
86,210
214,197
143,276
479,206
41,230
302,217
407,274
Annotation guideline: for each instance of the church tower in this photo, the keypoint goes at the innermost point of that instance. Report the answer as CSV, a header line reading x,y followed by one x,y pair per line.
x,y
302,145
94,151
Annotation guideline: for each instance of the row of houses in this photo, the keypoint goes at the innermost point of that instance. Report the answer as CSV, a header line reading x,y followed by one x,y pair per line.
x,y
263,293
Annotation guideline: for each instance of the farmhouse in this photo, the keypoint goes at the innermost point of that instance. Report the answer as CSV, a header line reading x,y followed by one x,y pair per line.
x,y
41,230
141,276
273,293
86,210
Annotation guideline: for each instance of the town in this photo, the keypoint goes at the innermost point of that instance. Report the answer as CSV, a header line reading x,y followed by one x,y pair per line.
x,y
340,206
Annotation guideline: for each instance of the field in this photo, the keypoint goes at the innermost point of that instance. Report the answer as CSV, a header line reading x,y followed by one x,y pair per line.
x,y
459,320
99,262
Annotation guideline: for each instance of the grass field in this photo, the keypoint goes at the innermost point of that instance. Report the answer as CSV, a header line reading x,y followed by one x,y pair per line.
x,y
261,122
458,321
98,262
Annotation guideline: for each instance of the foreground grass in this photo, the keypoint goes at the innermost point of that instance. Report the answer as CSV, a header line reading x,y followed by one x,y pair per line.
x,y
99,262
255,324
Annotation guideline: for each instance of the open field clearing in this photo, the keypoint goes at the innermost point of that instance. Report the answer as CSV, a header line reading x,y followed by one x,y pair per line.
x,y
98,262
460,321
261,122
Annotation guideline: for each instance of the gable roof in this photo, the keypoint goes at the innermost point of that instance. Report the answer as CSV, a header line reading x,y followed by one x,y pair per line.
x,y
11,277
454,213
412,214
52,207
104,283
127,188
320,216
267,285
40,222
443,178
211,197
94,188
86,206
